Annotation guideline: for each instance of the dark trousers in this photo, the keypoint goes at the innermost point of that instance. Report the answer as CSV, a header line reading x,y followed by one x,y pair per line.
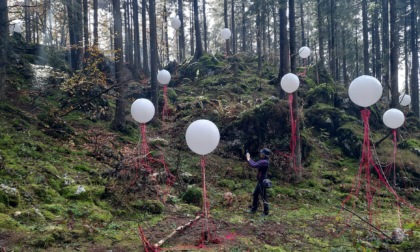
x,y
260,190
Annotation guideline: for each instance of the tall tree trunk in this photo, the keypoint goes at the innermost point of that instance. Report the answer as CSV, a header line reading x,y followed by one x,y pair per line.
x,y
356,45
259,31
415,61
243,27
292,32
95,23
365,38
385,48
406,54
198,44
333,43
27,18
86,24
153,54
344,50
165,18
225,19
137,59
119,122
377,63
72,35
275,31
232,25
192,43
284,47
144,37
181,37
205,26
302,23
4,34
320,32
394,53
79,32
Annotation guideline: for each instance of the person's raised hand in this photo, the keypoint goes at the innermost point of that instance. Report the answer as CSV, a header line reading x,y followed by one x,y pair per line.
x,y
248,156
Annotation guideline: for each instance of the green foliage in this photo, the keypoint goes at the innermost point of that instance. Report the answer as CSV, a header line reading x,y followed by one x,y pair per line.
x,y
92,192
322,93
192,195
8,223
150,206
230,184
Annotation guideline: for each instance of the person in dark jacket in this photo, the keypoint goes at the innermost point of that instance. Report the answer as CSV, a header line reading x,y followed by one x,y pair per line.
x,y
262,166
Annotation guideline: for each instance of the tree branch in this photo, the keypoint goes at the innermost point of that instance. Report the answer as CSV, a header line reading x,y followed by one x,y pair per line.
x,y
382,139
178,229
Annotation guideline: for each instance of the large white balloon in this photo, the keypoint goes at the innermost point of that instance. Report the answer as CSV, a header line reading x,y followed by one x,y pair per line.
x,y
289,82
164,77
142,110
405,100
365,90
202,136
304,52
226,33
175,23
393,118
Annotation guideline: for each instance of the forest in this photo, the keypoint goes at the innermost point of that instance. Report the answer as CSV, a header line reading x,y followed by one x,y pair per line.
x,y
132,125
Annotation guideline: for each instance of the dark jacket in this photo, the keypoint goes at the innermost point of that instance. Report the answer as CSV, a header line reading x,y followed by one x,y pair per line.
x,y
262,166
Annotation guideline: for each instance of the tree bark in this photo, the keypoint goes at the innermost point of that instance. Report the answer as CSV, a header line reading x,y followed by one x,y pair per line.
x,y
137,60
4,34
232,25
415,61
225,19
243,27
119,122
377,63
320,32
205,26
144,38
284,47
344,50
394,54
198,43
385,48
181,37
153,54
86,25
365,38
95,23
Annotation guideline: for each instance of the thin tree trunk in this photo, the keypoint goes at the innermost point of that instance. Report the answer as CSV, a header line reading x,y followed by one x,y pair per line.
x,y
192,43
415,62
243,27
225,18
86,25
205,26
259,28
365,38
27,18
4,33
119,122
284,49
320,32
377,52
137,60
406,64
232,25
95,23
153,54
292,32
302,23
165,18
385,48
344,51
356,45
394,54
333,43
144,38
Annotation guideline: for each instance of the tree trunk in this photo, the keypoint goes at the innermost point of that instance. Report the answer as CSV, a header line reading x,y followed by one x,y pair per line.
x,y
320,32
406,54
192,43
284,49
72,35
27,18
344,50
243,27
4,34
232,25
259,28
165,18
181,37
365,38
225,18
292,36
95,23
144,38
333,43
153,55
79,32
119,122
377,63
137,60
356,46
302,23
385,48
205,26
394,54
415,62
198,44
86,25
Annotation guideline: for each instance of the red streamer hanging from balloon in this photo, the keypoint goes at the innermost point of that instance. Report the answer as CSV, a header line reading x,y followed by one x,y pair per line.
x,y
365,167
293,136
146,244
144,159
208,229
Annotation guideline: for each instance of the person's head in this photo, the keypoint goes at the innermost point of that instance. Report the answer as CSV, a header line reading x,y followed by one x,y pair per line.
x,y
265,152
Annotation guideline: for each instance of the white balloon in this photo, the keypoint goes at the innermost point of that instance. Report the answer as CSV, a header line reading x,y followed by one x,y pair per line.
x,y
175,23
142,110
393,118
289,82
226,33
304,52
18,27
405,100
365,90
164,77
202,136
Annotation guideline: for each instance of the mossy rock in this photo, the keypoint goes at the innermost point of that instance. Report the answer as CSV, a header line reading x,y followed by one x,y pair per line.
x,y
100,215
45,194
29,216
91,192
8,223
192,195
150,206
322,93
349,139
9,196
324,116
230,184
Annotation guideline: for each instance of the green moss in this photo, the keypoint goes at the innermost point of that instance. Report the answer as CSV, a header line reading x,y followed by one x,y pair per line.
x,y
45,194
91,192
150,206
409,144
192,195
57,209
82,168
8,223
100,215
230,184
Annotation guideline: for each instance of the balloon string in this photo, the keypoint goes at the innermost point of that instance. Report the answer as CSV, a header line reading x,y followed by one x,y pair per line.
x,y
293,136
205,234
146,244
394,132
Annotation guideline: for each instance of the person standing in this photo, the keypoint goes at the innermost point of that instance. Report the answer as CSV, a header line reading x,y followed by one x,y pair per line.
x,y
260,188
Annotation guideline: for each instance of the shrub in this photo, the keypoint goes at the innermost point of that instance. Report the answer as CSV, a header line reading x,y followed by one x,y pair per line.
x,y
192,195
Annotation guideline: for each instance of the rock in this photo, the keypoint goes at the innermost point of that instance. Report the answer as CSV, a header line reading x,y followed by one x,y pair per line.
x,y
398,235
